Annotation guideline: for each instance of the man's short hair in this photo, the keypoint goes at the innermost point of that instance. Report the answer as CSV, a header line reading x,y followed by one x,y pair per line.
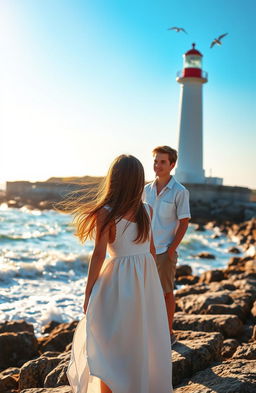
x,y
172,153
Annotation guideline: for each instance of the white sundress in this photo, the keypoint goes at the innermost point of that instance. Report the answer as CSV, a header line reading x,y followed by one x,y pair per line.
x,y
124,337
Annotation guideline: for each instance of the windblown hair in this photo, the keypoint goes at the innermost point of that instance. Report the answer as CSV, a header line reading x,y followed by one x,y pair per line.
x,y
121,191
172,153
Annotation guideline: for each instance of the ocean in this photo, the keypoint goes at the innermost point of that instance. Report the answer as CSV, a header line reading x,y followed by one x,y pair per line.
x,y
43,267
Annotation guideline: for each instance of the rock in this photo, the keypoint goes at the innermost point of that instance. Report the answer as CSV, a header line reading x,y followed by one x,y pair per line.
x,y
234,250
228,377
68,347
205,255
183,270
212,275
59,389
50,326
198,304
199,228
246,351
222,286
229,347
247,332
193,352
16,326
250,266
17,348
14,204
253,337
34,372
253,311
45,205
59,338
191,290
234,261
9,380
187,280
50,354
229,325
58,376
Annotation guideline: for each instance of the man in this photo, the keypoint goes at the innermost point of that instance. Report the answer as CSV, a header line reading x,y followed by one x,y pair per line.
x,y
170,202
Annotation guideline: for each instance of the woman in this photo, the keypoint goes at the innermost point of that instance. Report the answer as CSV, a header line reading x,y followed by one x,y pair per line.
x,y
122,345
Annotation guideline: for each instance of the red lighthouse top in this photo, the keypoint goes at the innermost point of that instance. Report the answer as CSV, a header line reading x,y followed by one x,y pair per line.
x,y
193,51
192,63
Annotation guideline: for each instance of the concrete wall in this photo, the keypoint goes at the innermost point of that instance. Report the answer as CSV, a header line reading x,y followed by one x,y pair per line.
x,y
211,192
40,191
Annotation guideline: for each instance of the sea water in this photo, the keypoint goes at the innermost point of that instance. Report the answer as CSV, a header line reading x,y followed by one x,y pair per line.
x,y
43,267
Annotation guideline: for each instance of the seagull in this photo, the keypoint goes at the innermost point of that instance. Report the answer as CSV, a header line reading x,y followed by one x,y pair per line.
x,y
218,40
177,29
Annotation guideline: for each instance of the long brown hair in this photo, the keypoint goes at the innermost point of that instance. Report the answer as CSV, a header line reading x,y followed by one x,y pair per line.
x,y
122,191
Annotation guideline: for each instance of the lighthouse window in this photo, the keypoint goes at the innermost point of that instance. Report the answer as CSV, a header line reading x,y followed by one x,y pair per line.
x,y
192,62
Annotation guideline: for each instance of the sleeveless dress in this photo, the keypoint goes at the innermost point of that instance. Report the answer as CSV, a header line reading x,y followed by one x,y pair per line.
x,y
124,337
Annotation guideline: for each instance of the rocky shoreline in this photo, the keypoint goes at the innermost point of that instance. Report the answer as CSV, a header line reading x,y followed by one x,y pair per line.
x,y
214,322
234,204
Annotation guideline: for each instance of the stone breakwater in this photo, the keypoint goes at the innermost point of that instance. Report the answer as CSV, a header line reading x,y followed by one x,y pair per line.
x,y
207,201
214,323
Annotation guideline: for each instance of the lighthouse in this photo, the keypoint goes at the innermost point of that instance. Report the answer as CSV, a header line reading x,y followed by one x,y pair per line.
x,y
190,150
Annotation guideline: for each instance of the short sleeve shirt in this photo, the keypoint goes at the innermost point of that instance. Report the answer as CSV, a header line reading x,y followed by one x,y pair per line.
x,y
169,206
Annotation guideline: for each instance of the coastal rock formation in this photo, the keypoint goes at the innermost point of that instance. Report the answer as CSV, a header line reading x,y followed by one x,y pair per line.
x,y
60,389
193,352
229,377
214,324
58,338
229,347
34,372
228,325
245,351
16,326
183,270
205,255
9,380
17,348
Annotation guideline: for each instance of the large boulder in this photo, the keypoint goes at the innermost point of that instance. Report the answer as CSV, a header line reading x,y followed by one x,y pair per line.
x,y
34,372
58,376
229,325
183,270
16,326
198,304
194,351
229,347
245,351
211,275
228,377
9,380
59,337
17,348
46,329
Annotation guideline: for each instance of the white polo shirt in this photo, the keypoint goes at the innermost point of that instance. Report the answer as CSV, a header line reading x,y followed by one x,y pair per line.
x,y
169,206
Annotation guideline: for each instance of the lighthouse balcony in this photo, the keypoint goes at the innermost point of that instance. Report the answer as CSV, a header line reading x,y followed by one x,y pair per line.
x,y
192,73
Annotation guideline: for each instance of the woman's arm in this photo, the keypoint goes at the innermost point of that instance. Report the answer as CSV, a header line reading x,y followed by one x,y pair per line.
x,y
98,256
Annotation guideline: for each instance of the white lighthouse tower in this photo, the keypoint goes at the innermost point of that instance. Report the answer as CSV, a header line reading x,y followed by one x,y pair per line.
x,y
190,151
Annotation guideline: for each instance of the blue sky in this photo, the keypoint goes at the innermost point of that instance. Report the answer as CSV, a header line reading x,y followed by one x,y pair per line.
x,y
84,81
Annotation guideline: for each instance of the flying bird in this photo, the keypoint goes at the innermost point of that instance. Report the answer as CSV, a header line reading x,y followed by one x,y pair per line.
x,y
218,40
177,29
